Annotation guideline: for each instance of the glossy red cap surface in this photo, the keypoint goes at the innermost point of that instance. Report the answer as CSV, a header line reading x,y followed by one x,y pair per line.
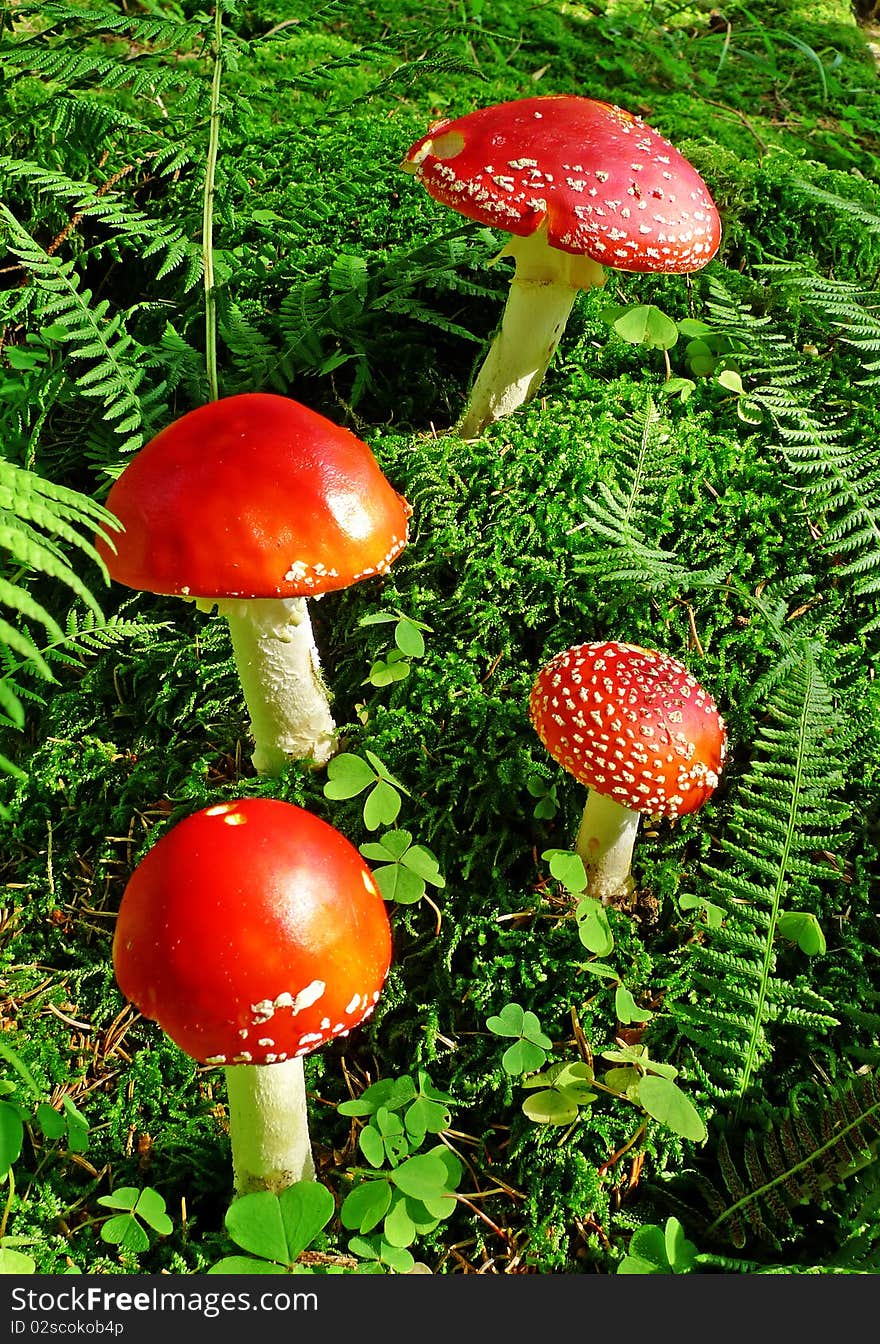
x,y
254,495
631,724
252,932
607,185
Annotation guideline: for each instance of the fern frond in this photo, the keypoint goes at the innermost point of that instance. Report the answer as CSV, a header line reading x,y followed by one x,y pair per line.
x,y
788,808
838,479
853,310
91,333
56,16
113,212
865,217
618,512
38,518
797,1161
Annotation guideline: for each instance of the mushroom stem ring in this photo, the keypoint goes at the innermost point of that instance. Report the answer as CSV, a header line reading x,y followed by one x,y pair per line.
x,y
541,296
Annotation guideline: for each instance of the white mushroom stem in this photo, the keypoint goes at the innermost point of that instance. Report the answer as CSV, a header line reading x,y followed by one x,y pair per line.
x,y
280,672
268,1126
605,841
543,289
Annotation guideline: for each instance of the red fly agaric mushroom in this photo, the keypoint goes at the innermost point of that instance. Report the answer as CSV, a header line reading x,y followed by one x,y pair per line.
x,y
252,504
252,932
580,185
640,732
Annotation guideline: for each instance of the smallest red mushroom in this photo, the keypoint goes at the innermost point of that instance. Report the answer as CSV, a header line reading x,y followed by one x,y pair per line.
x,y
640,732
253,932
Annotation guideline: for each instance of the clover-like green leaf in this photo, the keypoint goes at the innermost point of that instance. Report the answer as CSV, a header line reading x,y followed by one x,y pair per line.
x,y
665,1102
389,848
568,868
382,805
529,1051
409,638
385,671
383,1137
647,1252
150,1207
347,776
802,927
627,1009
731,380
404,868
382,771
421,1176
680,1252
572,1074
423,863
246,1264
642,324
658,1250
594,929
391,1093
11,1135
601,969
522,1057
624,1080
429,1112
123,1197
366,1205
637,1056
77,1127
123,1230
399,1228
51,1122
454,1171
377,1249
550,1107
399,885
548,803
281,1226
683,388
693,327
701,357
16,1262
513,1020
713,913
564,1088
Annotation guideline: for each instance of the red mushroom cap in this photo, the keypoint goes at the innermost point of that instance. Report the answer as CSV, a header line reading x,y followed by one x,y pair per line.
x,y
607,185
253,496
631,724
252,932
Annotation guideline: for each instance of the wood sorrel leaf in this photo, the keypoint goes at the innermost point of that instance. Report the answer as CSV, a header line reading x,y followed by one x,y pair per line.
x,y
665,1102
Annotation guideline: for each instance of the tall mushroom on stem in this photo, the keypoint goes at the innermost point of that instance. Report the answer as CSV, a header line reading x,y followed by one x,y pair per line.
x,y
252,504
580,185
640,732
253,932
